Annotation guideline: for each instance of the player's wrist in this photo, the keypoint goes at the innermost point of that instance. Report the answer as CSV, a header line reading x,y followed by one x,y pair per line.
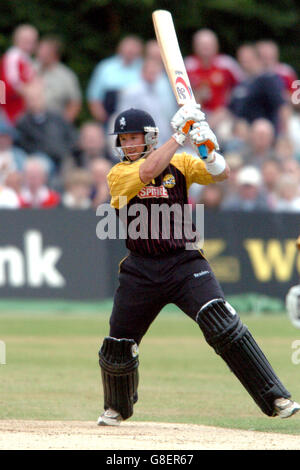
x,y
179,137
215,164
211,157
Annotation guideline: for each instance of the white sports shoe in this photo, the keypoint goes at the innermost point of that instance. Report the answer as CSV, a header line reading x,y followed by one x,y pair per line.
x,y
110,417
284,408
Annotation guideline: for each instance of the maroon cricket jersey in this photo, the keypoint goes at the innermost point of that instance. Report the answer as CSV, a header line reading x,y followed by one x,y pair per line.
x,y
156,216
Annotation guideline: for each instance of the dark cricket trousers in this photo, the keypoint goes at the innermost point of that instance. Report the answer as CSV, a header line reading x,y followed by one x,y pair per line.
x,y
148,284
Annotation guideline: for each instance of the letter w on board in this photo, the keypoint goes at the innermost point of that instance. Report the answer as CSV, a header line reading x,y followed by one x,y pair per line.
x,y
272,257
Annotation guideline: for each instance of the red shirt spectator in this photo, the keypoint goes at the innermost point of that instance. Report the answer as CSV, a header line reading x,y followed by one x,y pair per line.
x,y
212,75
44,198
16,69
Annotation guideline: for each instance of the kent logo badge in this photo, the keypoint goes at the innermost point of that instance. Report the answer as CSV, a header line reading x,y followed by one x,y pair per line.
x,y
169,181
122,122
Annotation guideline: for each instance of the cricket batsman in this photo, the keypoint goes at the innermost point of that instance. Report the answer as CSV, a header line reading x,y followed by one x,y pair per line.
x,y
160,269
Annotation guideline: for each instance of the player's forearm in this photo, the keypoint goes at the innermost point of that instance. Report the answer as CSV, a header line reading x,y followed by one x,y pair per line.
x,y
158,160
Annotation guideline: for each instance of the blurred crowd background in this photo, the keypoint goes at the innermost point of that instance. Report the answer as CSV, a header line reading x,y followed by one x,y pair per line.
x,y
50,156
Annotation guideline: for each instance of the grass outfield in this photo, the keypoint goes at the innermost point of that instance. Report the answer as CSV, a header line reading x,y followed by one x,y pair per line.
x,y
52,370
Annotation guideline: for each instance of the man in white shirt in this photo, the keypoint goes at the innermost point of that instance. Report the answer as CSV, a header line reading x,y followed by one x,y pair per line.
x,y
8,198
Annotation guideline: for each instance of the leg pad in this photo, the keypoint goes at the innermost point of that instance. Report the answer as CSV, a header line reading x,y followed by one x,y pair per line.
x,y
118,360
225,332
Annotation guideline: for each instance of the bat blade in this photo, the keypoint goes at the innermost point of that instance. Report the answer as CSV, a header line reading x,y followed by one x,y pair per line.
x,y
171,56
173,61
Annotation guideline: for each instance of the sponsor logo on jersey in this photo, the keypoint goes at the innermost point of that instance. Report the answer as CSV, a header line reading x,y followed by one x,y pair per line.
x,y
169,181
153,191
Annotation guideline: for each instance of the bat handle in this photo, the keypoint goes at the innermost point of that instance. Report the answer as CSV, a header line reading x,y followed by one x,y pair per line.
x,y
202,148
203,151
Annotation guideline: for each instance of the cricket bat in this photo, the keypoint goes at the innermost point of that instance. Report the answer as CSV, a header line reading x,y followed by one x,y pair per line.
x,y
173,61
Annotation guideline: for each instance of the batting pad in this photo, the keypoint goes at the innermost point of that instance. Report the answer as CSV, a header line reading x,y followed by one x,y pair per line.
x,y
118,359
225,332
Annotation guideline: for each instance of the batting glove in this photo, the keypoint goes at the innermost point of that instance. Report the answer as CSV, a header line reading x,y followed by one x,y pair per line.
x,y
200,134
186,116
180,138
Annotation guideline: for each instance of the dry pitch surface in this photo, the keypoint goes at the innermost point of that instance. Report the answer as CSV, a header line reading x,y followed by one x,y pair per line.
x,y
69,435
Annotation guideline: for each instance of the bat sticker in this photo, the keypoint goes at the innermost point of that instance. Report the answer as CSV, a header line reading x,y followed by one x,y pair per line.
x,y
180,90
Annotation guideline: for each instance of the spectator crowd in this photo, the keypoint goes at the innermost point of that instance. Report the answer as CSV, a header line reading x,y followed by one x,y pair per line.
x,y
48,160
